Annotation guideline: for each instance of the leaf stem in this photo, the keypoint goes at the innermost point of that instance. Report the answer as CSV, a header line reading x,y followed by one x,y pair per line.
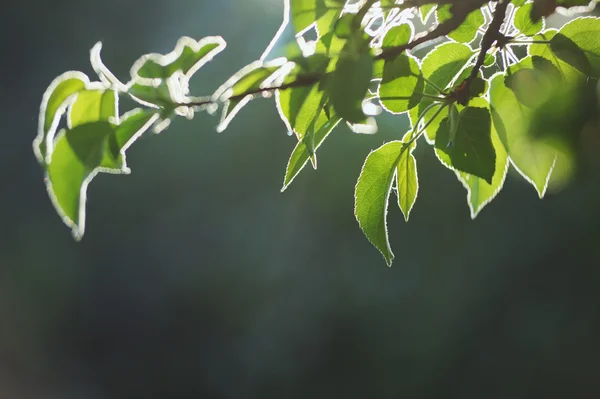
x,y
430,83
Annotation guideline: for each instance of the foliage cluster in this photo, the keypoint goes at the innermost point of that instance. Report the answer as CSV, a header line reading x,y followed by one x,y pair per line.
x,y
479,80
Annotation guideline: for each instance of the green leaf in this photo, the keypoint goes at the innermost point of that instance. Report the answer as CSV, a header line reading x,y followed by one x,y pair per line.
x,y
524,23
81,153
152,96
471,151
425,11
533,159
189,56
130,128
533,80
343,27
543,50
490,59
467,31
578,44
301,154
372,195
243,86
93,106
398,36
304,13
300,107
443,13
480,192
349,85
402,85
440,67
407,181
77,154
54,105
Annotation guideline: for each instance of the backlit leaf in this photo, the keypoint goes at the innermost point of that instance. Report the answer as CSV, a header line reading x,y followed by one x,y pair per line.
x,y
372,195
407,181
534,159
471,149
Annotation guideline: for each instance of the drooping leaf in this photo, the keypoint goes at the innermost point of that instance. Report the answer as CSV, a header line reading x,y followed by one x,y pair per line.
x,y
130,128
300,107
302,154
480,192
402,85
77,154
349,85
372,195
533,80
54,105
83,151
246,84
407,181
533,159
471,150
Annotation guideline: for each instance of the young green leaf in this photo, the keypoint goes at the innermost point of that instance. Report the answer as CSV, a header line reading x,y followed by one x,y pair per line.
x,y
398,36
578,44
54,105
324,13
440,68
349,85
189,56
543,50
402,85
425,11
344,27
77,154
152,96
243,86
471,151
131,126
407,181
299,108
533,159
372,194
81,153
467,31
480,192
533,80
92,106
301,154
524,23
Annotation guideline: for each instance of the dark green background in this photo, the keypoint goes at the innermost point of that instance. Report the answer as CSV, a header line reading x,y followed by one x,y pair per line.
x,y
198,279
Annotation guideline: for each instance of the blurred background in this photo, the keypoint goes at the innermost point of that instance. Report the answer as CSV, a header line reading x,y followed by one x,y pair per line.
x,y
197,278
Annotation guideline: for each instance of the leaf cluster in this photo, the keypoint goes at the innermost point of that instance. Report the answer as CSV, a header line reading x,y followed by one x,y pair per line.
x,y
474,78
